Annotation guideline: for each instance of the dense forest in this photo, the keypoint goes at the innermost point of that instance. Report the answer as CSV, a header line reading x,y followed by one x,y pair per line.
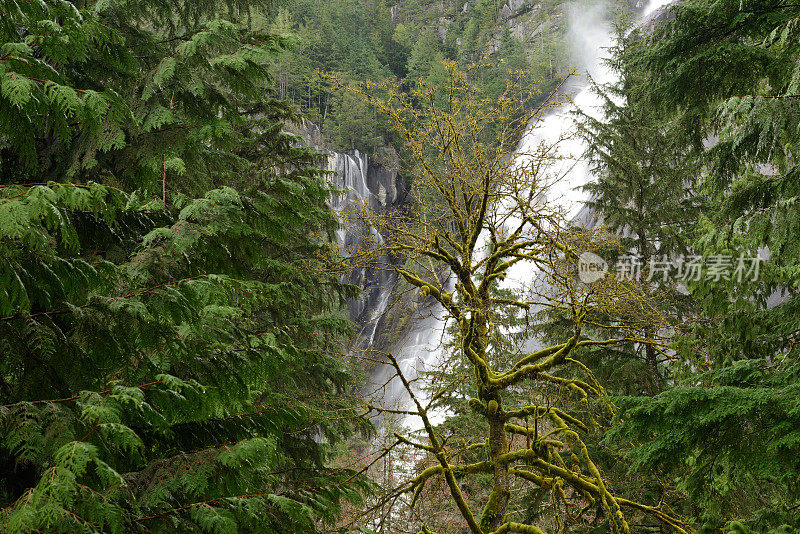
x,y
179,351
372,41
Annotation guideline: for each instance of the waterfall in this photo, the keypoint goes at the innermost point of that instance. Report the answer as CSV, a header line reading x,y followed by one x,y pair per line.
x,y
359,180
421,346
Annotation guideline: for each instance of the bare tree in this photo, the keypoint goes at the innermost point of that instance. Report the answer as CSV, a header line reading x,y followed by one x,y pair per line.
x,y
478,210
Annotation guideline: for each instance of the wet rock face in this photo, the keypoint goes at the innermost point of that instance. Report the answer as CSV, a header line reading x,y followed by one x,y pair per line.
x,y
385,186
662,14
361,180
659,16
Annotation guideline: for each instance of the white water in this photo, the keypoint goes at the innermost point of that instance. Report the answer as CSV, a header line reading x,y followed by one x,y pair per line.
x,y
591,38
421,349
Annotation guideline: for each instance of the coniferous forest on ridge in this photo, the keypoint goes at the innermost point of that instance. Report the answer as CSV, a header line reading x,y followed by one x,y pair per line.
x,y
185,279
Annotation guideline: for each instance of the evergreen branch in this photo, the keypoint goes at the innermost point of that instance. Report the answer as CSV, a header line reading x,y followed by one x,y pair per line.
x,y
145,291
76,397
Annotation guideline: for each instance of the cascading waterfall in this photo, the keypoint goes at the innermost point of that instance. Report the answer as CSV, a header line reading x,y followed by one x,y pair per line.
x,y
361,181
422,346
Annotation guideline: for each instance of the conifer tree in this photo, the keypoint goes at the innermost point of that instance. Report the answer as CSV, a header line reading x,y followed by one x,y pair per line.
x,y
642,191
166,319
727,73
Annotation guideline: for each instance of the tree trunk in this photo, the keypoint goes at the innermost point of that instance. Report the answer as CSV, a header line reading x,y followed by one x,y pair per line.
x,y
495,510
652,364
